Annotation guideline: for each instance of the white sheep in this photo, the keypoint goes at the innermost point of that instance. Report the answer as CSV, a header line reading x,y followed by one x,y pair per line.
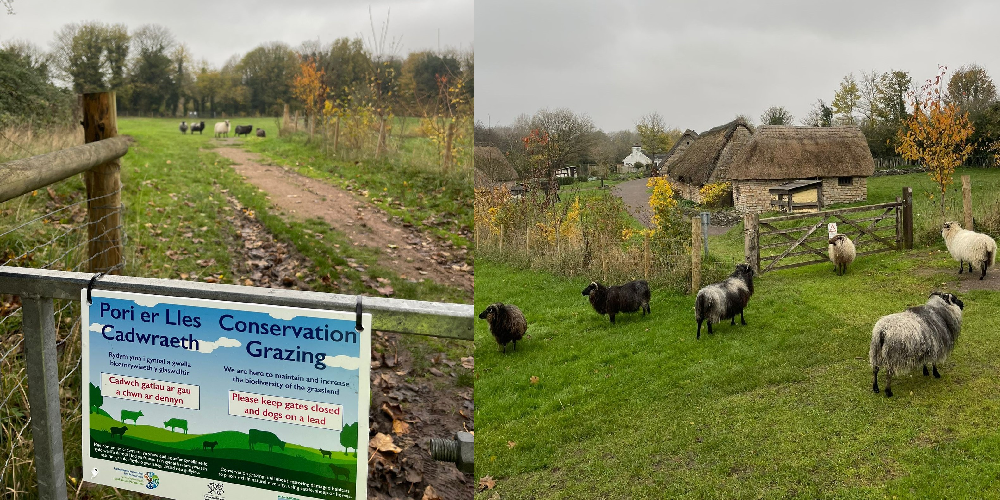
x,y
917,336
842,253
222,129
969,246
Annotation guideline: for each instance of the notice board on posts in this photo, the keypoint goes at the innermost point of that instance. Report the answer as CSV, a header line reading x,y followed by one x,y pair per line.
x,y
212,400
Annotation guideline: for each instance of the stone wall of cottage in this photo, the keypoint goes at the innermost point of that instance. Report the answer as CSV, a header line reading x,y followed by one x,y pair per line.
x,y
754,196
685,190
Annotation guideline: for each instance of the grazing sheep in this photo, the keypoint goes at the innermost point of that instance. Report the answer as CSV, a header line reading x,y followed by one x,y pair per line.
x,y
243,130
340,471
611,300
842,253
260,133
917,336
197,127
507,324
325,453
222,129
184,128
969,246
118,431
725,300
209,445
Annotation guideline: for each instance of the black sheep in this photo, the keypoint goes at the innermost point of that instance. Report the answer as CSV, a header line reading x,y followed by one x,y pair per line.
x,y
184,128
243,130
611,300
507,324
260,133
197,127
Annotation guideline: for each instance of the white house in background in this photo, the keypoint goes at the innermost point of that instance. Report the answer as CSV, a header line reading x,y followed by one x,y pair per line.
x,y
637,156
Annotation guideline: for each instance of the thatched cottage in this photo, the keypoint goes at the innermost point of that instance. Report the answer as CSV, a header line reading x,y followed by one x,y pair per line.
x,y
678,148
705,158
776,155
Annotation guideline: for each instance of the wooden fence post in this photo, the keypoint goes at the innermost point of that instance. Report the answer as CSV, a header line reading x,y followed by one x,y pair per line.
x,y
645,257
695,254
751,235
908,218
501,239
967,201
104,195
527,241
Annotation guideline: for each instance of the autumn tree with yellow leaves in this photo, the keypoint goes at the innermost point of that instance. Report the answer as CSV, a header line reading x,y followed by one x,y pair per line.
x,y
936,134
308,87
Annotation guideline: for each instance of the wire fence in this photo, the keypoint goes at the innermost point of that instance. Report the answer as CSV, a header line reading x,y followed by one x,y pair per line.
x,y
598,257
44,229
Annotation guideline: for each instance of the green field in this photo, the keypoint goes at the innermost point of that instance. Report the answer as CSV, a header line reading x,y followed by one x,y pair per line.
x,y
295,462
779,408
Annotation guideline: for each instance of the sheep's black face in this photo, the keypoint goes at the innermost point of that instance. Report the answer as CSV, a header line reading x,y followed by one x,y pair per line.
x,y
950,299
590,288
488,313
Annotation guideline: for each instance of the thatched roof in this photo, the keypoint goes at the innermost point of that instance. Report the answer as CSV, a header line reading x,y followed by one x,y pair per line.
x,y
491,162
779,152
709,151
675,152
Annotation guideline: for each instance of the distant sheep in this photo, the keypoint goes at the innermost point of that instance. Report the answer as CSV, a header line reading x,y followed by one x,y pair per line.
x,y
222,129
118,431
326,453
917,336
969,246
260,132
507,323
611,300
243,130
184,128
197,127
842,253
724,300
209,445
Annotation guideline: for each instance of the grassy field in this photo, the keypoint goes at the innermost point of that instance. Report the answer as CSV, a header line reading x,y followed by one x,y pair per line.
x,y
781,407
176,197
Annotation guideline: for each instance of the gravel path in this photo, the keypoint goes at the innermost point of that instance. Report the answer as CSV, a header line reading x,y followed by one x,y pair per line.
x,y
636,196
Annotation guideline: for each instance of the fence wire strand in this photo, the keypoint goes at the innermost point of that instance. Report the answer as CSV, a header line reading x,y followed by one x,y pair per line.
x,y
62,243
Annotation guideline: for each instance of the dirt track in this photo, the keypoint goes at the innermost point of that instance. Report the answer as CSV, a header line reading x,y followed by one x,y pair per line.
x,y
405,250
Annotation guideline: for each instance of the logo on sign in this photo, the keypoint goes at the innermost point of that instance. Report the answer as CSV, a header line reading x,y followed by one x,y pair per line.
x,y
831,228
152,480
215,492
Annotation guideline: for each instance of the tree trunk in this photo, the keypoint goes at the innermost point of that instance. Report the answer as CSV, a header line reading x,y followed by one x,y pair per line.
x,y
448,138
336,134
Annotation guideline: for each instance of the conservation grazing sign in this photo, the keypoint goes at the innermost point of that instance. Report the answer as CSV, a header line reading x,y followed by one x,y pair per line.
x,y
212,400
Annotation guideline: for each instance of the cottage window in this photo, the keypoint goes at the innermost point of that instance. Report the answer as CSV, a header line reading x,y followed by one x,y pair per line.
x,y
845,181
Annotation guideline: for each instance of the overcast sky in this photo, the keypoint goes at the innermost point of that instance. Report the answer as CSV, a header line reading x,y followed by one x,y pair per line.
x,y
217,30
699,64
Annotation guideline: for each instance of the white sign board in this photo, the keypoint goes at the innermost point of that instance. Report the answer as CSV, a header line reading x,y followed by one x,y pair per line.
x,y
211,400
831,229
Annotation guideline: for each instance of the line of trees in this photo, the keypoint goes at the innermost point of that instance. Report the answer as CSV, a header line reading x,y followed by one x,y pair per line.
x,y
155,74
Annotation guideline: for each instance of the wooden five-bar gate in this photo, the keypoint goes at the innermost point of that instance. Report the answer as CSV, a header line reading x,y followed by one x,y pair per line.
x,y
801,239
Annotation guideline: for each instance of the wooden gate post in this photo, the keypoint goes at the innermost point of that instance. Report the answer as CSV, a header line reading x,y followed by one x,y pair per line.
x,y
100,121
695,254
907,218
967,201
751,235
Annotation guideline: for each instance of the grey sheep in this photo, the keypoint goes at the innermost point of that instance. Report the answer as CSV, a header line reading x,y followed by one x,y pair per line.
x,y
507,324
261,133
724,300
842,253
184,128
611,300
917,336
969,246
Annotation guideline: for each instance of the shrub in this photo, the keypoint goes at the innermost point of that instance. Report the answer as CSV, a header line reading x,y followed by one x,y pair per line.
x,y
717,194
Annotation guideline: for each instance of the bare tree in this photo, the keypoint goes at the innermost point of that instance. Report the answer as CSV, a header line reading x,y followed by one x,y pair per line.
x,y
9,4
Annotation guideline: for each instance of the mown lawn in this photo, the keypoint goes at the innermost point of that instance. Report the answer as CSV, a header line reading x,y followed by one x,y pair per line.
x,y
781,407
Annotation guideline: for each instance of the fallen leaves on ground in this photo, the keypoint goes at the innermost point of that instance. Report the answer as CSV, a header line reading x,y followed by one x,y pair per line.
x,y
383,442
487,483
